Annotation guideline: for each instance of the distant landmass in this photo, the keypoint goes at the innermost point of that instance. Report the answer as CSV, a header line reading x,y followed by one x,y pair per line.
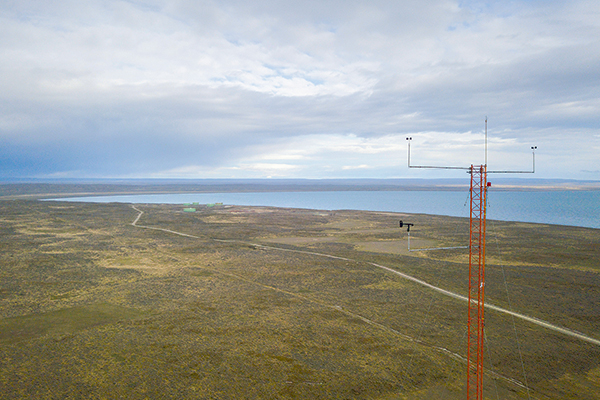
x,y
47,188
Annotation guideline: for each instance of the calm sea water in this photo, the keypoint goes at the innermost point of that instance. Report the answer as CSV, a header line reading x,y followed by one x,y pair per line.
x,y
577,208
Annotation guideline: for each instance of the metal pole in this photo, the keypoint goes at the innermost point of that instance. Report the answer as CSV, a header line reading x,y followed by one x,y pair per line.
x,y
486,142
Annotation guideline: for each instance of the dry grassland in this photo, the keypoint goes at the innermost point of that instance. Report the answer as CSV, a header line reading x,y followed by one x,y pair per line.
x,y
93,307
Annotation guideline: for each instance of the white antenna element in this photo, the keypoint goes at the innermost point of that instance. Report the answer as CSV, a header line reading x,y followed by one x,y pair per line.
x,y
486,145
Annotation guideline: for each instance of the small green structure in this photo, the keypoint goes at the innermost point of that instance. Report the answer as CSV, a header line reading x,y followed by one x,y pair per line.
x,y
189,210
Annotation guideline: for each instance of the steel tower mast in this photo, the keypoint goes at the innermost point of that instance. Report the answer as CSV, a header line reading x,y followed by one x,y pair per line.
x,y
475,315
477,224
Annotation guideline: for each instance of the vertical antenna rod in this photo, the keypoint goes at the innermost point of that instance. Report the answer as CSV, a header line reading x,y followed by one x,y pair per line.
x,y
486,145
409,139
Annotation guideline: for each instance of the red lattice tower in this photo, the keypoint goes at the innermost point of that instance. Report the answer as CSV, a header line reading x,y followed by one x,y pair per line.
x,y
475,316
477,222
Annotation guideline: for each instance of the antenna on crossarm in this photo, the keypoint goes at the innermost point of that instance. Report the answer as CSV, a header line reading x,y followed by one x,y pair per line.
x,y
409,139
486,143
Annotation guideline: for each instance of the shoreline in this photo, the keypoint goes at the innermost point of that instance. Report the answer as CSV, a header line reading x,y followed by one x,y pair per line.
x,y
37,191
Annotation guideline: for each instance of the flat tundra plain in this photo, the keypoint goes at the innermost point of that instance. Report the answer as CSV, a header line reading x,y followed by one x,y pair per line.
x,y
147,301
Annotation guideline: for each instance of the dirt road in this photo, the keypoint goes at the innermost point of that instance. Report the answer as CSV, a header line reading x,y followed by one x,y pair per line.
x,y
445,292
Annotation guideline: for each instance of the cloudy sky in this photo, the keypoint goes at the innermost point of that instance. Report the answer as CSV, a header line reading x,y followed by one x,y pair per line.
x,y
297,89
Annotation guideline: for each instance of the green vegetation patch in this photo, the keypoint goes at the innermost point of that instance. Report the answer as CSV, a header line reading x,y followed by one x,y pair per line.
x,y
61,322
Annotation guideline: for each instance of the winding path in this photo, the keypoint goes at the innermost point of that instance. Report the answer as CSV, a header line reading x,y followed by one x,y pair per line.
x,y
445,292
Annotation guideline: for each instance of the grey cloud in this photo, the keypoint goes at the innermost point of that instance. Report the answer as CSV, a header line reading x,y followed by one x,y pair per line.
x,y
133,87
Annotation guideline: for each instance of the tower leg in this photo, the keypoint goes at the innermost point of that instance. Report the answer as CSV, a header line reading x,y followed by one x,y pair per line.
x,y
477,222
